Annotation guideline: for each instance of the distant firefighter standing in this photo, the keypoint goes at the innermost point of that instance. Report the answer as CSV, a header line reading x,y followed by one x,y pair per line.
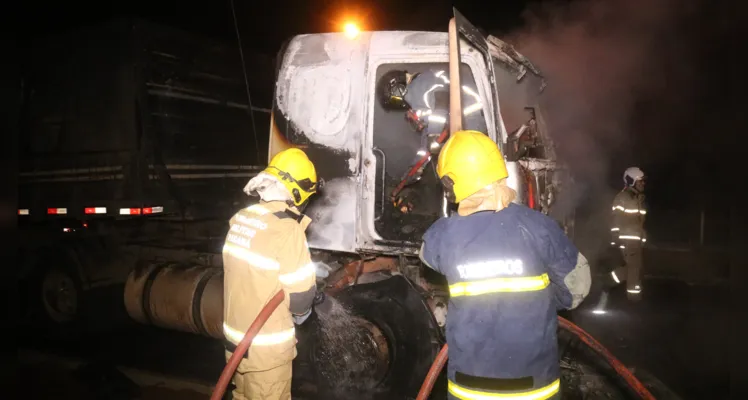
x,y
627,231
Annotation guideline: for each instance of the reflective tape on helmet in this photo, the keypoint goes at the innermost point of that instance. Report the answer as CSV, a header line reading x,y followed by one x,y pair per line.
x,y
537,394
497,285
264,339
252,258
299,275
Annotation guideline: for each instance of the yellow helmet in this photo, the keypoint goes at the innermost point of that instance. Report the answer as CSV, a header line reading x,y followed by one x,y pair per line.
x,y
468,162
296,172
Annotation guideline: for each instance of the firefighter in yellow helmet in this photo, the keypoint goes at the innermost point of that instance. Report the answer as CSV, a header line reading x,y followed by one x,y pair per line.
x,y
266,251
509,269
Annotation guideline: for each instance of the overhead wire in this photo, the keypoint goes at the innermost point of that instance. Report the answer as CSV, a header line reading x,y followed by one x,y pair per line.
x,y
250,109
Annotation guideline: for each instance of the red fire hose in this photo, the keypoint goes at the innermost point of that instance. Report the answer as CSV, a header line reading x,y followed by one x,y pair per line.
x,y
434,371
243,346
621,369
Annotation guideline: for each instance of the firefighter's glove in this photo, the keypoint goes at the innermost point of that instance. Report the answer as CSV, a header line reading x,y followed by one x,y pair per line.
x,y
299,319
322,304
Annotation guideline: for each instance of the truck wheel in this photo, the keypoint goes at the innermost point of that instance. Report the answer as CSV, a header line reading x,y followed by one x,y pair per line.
x,y
387,349
60,295
55,297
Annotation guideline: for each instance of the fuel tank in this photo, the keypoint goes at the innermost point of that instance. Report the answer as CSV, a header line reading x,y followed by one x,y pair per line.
x,y
181,297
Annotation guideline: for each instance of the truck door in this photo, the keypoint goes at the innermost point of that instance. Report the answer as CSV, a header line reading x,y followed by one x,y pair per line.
x,y
476,40
392,223
319,107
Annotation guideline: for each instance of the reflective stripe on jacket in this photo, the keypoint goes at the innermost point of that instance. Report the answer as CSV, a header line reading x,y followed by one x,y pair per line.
x,y
266,251
629,214
508,273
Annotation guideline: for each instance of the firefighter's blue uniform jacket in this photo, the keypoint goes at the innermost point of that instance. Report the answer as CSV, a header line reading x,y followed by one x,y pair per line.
x,y
506,273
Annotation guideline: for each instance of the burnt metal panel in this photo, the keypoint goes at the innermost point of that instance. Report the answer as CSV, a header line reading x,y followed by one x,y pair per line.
x,y
319,106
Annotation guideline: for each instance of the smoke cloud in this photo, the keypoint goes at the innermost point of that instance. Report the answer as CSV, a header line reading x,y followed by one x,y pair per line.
x,y
624,80
607,63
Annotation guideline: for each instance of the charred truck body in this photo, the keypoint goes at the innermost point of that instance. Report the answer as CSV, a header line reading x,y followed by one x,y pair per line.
x,y
137,154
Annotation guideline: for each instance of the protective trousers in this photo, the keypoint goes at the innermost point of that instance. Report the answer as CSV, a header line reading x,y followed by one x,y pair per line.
x,y
272,384
631,272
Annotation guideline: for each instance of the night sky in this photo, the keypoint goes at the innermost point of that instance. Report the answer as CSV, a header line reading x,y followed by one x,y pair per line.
x,y
269,22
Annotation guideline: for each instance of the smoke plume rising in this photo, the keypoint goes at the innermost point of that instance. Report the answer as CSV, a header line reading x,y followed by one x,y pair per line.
x,y
623,85
605,62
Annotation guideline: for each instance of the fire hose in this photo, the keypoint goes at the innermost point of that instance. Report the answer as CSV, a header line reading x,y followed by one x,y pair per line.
x,y
436,367
628,377
243,346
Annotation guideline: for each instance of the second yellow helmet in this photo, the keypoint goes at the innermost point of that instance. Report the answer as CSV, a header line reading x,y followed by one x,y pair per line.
x,y
468,162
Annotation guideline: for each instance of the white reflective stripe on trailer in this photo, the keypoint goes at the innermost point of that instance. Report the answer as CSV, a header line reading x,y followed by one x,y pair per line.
x,y
23,211
57,211
94,210
129,211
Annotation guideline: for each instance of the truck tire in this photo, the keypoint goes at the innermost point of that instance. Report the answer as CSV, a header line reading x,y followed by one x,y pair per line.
x,y
61,292
399,328
56,295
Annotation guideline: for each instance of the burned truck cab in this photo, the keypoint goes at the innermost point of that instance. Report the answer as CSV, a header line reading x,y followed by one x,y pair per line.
x,y
326,102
